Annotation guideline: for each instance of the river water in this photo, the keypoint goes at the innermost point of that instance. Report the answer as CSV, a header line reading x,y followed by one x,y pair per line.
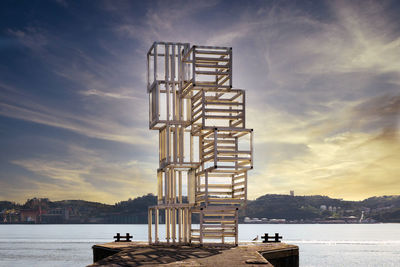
x,y
320,244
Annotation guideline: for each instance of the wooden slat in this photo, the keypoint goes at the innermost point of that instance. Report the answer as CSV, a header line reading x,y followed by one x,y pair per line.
x,y
211,59
212,186
205,52
211,72
223,110
239,184
211,66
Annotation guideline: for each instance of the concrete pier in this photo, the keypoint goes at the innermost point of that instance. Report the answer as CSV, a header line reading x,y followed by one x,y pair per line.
x,y
246,254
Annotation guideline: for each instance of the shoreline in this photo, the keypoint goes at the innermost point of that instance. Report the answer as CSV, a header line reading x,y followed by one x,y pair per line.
x,y
195,223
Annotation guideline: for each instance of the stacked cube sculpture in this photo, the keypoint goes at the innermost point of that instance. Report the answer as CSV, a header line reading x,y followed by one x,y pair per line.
x,y
205,149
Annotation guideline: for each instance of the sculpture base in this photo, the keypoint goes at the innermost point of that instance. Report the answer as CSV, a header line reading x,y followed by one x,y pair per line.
x,y
140,253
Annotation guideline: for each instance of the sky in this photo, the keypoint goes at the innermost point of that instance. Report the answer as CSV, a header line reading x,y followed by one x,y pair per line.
x,y
322,81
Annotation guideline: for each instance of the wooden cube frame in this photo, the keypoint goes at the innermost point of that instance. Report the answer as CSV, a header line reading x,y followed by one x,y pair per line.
x,y
164,63
211,109
166,107
207,68
226,150
177,147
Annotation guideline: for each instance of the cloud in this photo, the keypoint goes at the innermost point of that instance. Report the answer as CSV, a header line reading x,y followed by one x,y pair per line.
x,y
176,25
350,165
382,112
87,125
94,92
89,174
83,76
31,37
351,153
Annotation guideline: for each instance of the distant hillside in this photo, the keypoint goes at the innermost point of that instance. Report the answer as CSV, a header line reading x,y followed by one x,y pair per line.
x,y
292,207
379,202
8,205
385,208
271,206
382,209
139,204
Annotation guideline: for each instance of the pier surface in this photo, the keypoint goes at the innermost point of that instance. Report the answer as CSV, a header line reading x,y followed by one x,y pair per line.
x,y
246,254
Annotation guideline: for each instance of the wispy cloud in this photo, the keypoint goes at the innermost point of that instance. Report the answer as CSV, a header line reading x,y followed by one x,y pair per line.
x,y
31,37
90,76
176,25
88,174
352,165
351,153
94,92
91,126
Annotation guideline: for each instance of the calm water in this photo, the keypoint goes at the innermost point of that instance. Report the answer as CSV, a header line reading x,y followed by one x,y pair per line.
x,y
320,245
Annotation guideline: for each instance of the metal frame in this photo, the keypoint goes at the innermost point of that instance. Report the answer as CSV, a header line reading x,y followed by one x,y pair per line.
x,y
203,142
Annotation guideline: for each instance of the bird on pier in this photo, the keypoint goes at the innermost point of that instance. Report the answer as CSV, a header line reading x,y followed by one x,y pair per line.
x,y
255,239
